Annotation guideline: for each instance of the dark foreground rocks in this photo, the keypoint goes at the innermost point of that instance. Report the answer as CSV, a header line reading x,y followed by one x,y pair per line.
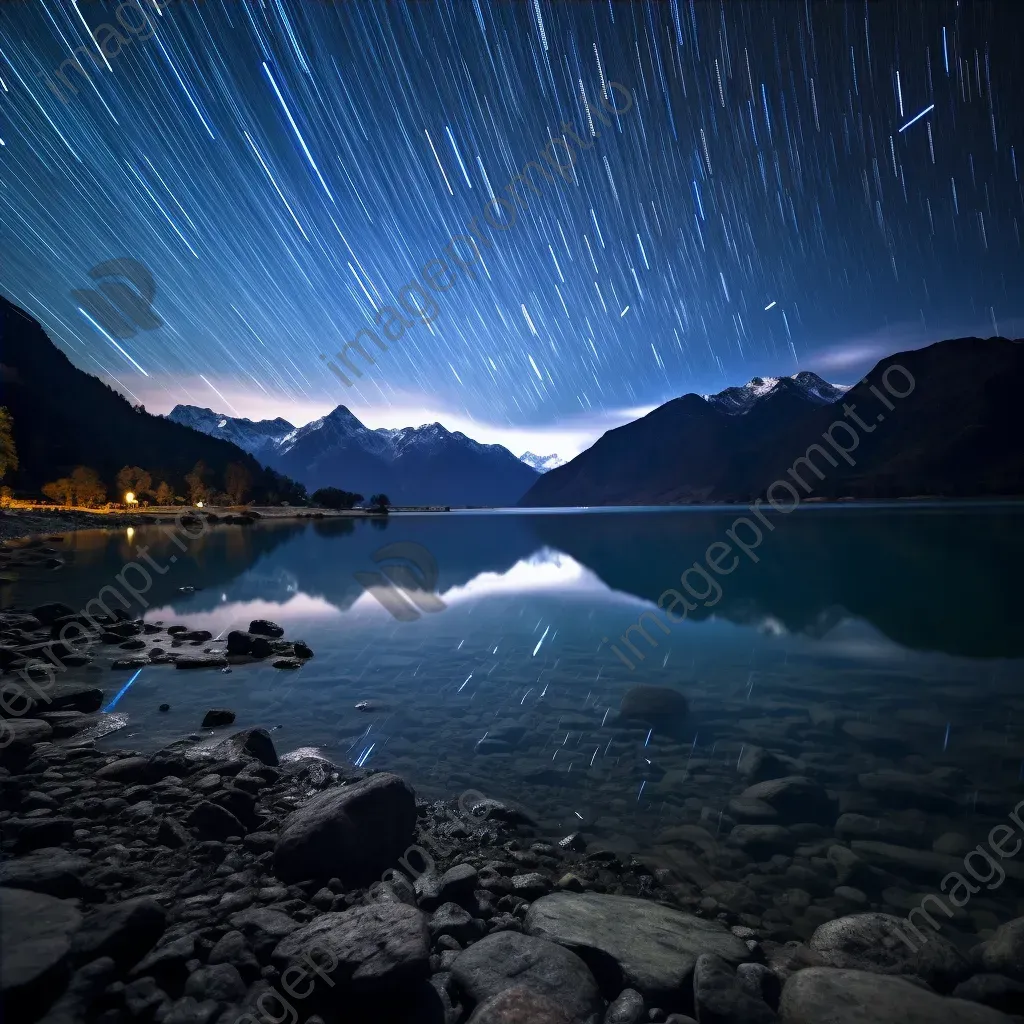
x,y
213,883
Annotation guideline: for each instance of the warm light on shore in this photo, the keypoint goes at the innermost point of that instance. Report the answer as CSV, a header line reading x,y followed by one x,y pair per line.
x,y
130,499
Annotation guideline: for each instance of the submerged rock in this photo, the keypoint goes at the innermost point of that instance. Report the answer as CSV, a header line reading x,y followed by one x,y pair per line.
x,y
873,942
661,707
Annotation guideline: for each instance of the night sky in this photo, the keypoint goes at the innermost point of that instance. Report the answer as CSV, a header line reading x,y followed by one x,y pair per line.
x,y
284,168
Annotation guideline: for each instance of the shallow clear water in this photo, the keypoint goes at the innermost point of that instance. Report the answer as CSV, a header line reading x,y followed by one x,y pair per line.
x,y
863,638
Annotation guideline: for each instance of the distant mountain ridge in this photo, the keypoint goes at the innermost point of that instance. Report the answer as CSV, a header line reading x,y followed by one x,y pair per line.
x,y
740,400
425,465
542,463
955,434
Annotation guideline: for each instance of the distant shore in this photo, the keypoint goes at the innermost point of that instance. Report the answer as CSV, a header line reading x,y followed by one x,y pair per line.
x,y
22,521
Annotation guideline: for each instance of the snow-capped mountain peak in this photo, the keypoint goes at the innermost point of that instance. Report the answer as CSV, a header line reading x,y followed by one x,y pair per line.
x,y
737,401
542,463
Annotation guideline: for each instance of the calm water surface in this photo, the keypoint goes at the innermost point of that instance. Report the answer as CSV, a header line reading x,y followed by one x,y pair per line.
x,y
864,639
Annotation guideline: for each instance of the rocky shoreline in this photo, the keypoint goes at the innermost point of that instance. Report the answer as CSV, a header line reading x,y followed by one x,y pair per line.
x,y
215,882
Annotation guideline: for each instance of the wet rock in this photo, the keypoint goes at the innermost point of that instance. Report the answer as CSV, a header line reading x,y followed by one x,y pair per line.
x,y
934,791
821,994
721,999
519,1004
754,812
200,661
1004,952
85,986
897,828
378,948
264,627
35,937
795,799
131,662
218,716
633,943
286,663
48,613
350,832
249,743
873,942
756,764
507,959
627,1008
239,642
124,931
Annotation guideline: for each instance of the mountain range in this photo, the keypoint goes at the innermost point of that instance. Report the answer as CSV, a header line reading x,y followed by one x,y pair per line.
x,y
426,465
955,433
64,418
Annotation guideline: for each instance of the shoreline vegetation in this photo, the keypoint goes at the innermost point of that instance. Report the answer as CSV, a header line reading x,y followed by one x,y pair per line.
x,y
22,521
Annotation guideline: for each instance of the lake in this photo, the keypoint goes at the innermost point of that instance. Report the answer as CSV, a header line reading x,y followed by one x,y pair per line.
x,y
865,640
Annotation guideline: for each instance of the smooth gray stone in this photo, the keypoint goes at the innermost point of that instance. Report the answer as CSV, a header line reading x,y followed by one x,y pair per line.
x,y
649,947
872,942
824,995
507,959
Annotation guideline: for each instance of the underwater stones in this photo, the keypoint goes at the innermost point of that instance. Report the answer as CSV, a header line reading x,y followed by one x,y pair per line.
x,y
659,707
795,799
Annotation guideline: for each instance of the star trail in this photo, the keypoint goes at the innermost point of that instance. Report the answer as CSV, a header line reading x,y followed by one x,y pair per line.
x,y
793,185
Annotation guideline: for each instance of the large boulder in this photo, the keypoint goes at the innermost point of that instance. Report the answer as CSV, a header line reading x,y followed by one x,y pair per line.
x,y
886,945
35,943
633,943
506,960
349,832
824,995
379,948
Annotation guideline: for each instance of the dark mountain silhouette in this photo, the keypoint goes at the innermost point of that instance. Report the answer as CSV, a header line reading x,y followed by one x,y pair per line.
x,y
425,465
64,417
954,434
